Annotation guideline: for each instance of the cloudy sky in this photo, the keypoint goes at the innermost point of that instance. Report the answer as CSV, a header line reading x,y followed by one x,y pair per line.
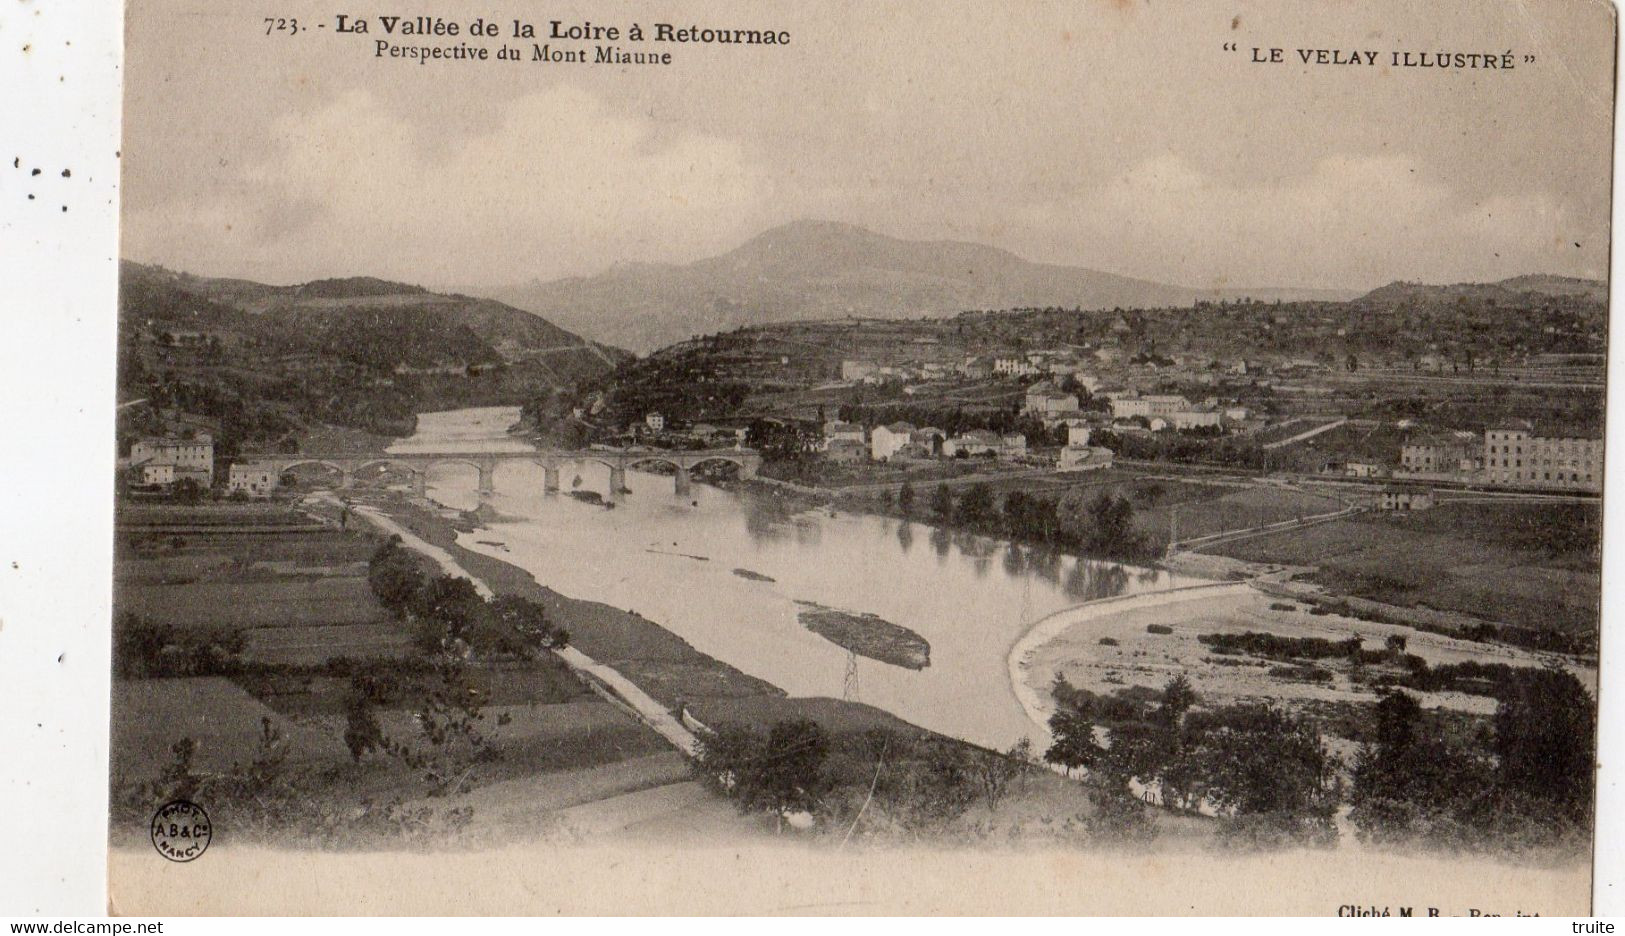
x,y
1115,135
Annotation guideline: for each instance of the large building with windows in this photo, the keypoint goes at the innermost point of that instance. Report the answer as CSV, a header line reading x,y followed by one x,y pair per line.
x,y
185,458
1515,456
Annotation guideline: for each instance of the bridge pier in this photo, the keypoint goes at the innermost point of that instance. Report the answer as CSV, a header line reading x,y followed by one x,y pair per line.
x,y
420,483
487,479
685,482
550,479
617,483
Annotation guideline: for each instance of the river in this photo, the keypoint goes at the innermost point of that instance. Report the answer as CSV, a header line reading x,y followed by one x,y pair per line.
x,y
673,561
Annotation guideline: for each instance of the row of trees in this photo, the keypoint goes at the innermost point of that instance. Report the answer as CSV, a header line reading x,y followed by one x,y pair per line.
x,y
453,628
879,783
1269,773
1099,524
1528,781
1525,781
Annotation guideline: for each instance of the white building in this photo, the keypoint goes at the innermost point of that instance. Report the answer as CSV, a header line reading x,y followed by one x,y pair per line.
x,y
187,458
974,442
655,421
1046,400
256,479
885,441
858,370
1083,458
1195,417
157,472
1514,455
1014,367
838,431
1153,405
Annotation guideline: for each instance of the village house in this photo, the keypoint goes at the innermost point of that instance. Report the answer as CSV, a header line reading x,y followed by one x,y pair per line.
x,y
1364,469
1398,498
256,479
1515,456
1083,458
885,441
655,422
1046,401
976,368
929,438
187,458
1195,417
1014,367
837,431
974,442
1089,382
1439,456
846,451
1013,445
1133,404
857,370
156,473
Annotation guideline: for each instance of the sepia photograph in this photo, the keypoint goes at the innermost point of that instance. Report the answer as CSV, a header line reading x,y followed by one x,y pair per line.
x,y
1099,458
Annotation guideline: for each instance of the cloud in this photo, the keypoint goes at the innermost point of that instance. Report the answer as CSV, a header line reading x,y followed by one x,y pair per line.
x,y
1344,219
368,189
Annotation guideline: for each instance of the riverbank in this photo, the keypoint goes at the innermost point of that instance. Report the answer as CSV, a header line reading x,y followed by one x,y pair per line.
x,y
1140,642
657,662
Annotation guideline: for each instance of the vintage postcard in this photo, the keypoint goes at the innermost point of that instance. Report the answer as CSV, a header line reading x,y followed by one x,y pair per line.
x,y
823,458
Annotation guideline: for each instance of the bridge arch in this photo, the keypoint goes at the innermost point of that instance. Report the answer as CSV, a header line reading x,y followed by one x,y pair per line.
x,y
652,459
742,462
436,463
392,462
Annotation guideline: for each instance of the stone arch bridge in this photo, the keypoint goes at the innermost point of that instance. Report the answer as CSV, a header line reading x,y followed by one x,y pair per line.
x,y
551,462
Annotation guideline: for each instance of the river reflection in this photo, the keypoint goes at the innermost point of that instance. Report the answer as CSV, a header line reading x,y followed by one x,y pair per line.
x,y
674,561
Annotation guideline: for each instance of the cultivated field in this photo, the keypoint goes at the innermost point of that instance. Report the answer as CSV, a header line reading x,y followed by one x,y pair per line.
x,y
1530,565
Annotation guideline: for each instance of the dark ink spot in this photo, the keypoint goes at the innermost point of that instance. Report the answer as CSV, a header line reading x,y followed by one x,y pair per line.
x,y
66,174
35,172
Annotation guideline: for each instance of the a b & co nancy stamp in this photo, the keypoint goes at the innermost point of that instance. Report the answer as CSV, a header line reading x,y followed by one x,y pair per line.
x,y
181,830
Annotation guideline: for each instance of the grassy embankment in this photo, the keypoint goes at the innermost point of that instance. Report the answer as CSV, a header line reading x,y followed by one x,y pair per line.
x,y
1533,566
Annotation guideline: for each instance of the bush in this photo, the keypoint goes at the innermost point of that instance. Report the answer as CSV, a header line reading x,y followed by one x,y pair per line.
x,y
1108,641
1158,629
148,649
1301,673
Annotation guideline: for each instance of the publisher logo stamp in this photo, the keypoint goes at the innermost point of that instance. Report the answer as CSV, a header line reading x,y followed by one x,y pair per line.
x,y
181,830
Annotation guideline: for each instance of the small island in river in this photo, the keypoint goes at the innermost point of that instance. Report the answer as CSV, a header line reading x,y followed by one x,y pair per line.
x,y
867,635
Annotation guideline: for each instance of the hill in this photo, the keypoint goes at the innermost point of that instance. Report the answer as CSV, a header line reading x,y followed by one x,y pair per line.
x,y
821,269
266,363
1518,290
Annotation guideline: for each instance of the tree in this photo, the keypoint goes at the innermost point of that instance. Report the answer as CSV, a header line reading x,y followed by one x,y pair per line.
x,y
1545,737
1074,745
518,627
905,498
393,576
188,491
444,610
1102,525
1258,761
976,508
942,504
781,773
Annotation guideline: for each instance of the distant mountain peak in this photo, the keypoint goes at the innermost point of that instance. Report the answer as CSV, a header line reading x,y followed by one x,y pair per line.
x,y
813,268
